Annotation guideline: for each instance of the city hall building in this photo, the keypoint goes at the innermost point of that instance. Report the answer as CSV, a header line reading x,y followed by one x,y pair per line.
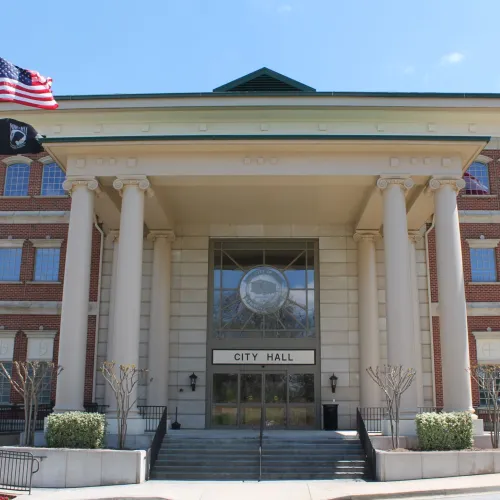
x,y
264,238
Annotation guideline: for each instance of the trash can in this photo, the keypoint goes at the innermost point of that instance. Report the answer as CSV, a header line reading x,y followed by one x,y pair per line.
x,y
330,417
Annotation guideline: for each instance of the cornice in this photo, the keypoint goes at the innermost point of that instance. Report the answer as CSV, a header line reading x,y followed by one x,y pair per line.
x,y
46,160
483,243
49,334
11,243
46,243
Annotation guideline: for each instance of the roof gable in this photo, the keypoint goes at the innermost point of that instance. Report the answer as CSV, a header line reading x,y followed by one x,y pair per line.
x,y
264,80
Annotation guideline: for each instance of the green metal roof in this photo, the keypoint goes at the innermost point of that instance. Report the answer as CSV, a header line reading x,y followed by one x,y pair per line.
x,y
301,137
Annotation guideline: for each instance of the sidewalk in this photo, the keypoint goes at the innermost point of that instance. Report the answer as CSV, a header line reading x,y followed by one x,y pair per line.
x,y
278,490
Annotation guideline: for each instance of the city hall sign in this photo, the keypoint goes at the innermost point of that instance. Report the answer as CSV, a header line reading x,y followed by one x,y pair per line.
x,y
264,357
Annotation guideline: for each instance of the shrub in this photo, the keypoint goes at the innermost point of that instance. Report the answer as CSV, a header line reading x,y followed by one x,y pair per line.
x,y
76,429
445,431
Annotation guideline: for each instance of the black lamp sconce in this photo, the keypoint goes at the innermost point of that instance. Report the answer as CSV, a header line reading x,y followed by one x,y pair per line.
x,y
333,382
193,377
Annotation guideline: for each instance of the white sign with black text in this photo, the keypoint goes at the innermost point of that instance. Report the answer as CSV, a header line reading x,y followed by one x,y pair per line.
x,y
263,357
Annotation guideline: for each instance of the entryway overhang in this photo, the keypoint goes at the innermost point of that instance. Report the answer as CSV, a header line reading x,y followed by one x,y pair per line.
x,y
266,181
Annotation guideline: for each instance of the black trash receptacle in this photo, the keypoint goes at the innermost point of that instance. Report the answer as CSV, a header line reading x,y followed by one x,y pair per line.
x,y
330,417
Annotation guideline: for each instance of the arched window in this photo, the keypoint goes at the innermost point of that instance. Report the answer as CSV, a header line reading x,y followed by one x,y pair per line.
x,y
477,180
52,180
17,180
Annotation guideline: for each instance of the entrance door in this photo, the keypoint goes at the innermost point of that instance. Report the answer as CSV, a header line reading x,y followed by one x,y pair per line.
x,y
287,399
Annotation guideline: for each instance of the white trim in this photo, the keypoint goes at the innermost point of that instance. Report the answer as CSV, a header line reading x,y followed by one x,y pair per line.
x,y
12,160
483,159
479,216
483,243
47,160
50,334
474,309
486,335
7,341
34,217
10,243
46,243
35,307
484,283
34,282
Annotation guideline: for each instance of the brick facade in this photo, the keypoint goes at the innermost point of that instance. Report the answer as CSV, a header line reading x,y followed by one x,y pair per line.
x,y
47,292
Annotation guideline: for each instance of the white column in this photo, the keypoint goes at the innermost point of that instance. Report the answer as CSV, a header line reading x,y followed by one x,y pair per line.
x,y
159,328
75,303
400,344
369,339
129,273
457,394
113,236
413,238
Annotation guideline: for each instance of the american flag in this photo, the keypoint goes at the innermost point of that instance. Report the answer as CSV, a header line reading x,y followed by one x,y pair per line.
x,y
25,87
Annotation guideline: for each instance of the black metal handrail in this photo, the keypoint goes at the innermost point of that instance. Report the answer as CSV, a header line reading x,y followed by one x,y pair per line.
x,y
372,417
371,456
161,430
17,469
152,415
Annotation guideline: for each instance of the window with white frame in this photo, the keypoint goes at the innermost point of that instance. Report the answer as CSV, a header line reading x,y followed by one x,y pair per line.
x,y
17,180
47,258
7,339
52,180
41,348
477,180
483,260
10,259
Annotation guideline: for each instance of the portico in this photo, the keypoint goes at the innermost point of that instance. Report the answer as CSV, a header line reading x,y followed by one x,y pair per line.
x,y
264,242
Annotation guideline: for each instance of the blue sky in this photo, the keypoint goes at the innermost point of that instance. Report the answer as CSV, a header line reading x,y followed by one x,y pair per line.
x,y
128,46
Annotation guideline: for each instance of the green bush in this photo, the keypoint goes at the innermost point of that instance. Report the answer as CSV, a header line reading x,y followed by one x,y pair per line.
x,y
445,431
76,429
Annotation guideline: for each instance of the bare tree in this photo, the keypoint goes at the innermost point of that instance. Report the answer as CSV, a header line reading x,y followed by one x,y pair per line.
x,y
29,379
487,378
394,382
123,381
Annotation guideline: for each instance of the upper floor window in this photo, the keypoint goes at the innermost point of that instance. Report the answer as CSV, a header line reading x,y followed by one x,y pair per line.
x,y
47,264
10,263
52,180
483,264
17,180
477,180
5,384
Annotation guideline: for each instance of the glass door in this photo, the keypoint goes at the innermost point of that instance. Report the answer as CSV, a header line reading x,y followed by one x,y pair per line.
x,y
275,400
250,399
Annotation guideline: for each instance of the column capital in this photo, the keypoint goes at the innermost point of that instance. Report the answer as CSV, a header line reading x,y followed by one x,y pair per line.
x,y
113,235
405,182
90,183
363,234
415,236
161,233
436,183
140,181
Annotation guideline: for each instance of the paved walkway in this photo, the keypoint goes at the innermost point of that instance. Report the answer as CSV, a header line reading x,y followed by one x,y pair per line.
x,y
277,490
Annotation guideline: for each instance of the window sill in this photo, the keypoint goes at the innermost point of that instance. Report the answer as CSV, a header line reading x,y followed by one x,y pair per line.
x,y
15,197
479,196
11,282
484,283
45,196
39,282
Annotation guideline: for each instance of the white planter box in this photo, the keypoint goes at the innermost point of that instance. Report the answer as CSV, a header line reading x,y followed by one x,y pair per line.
x,y
401,466
69,468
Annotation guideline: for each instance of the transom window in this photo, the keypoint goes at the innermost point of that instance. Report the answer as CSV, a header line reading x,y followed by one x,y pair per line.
x,y
10,264
263,289
52,180
483,264
47,264
17,180
477,180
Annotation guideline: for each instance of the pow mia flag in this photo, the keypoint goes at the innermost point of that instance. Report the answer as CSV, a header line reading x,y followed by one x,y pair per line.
x,y
18,138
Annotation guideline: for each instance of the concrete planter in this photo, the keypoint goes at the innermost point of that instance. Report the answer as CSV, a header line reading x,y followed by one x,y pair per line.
x,y
401,466
69,468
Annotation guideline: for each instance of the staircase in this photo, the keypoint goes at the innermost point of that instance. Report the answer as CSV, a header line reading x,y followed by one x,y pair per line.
x,y
209,455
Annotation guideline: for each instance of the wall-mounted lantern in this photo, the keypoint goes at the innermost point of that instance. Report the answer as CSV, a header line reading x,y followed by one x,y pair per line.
x,y
193,377
333,382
